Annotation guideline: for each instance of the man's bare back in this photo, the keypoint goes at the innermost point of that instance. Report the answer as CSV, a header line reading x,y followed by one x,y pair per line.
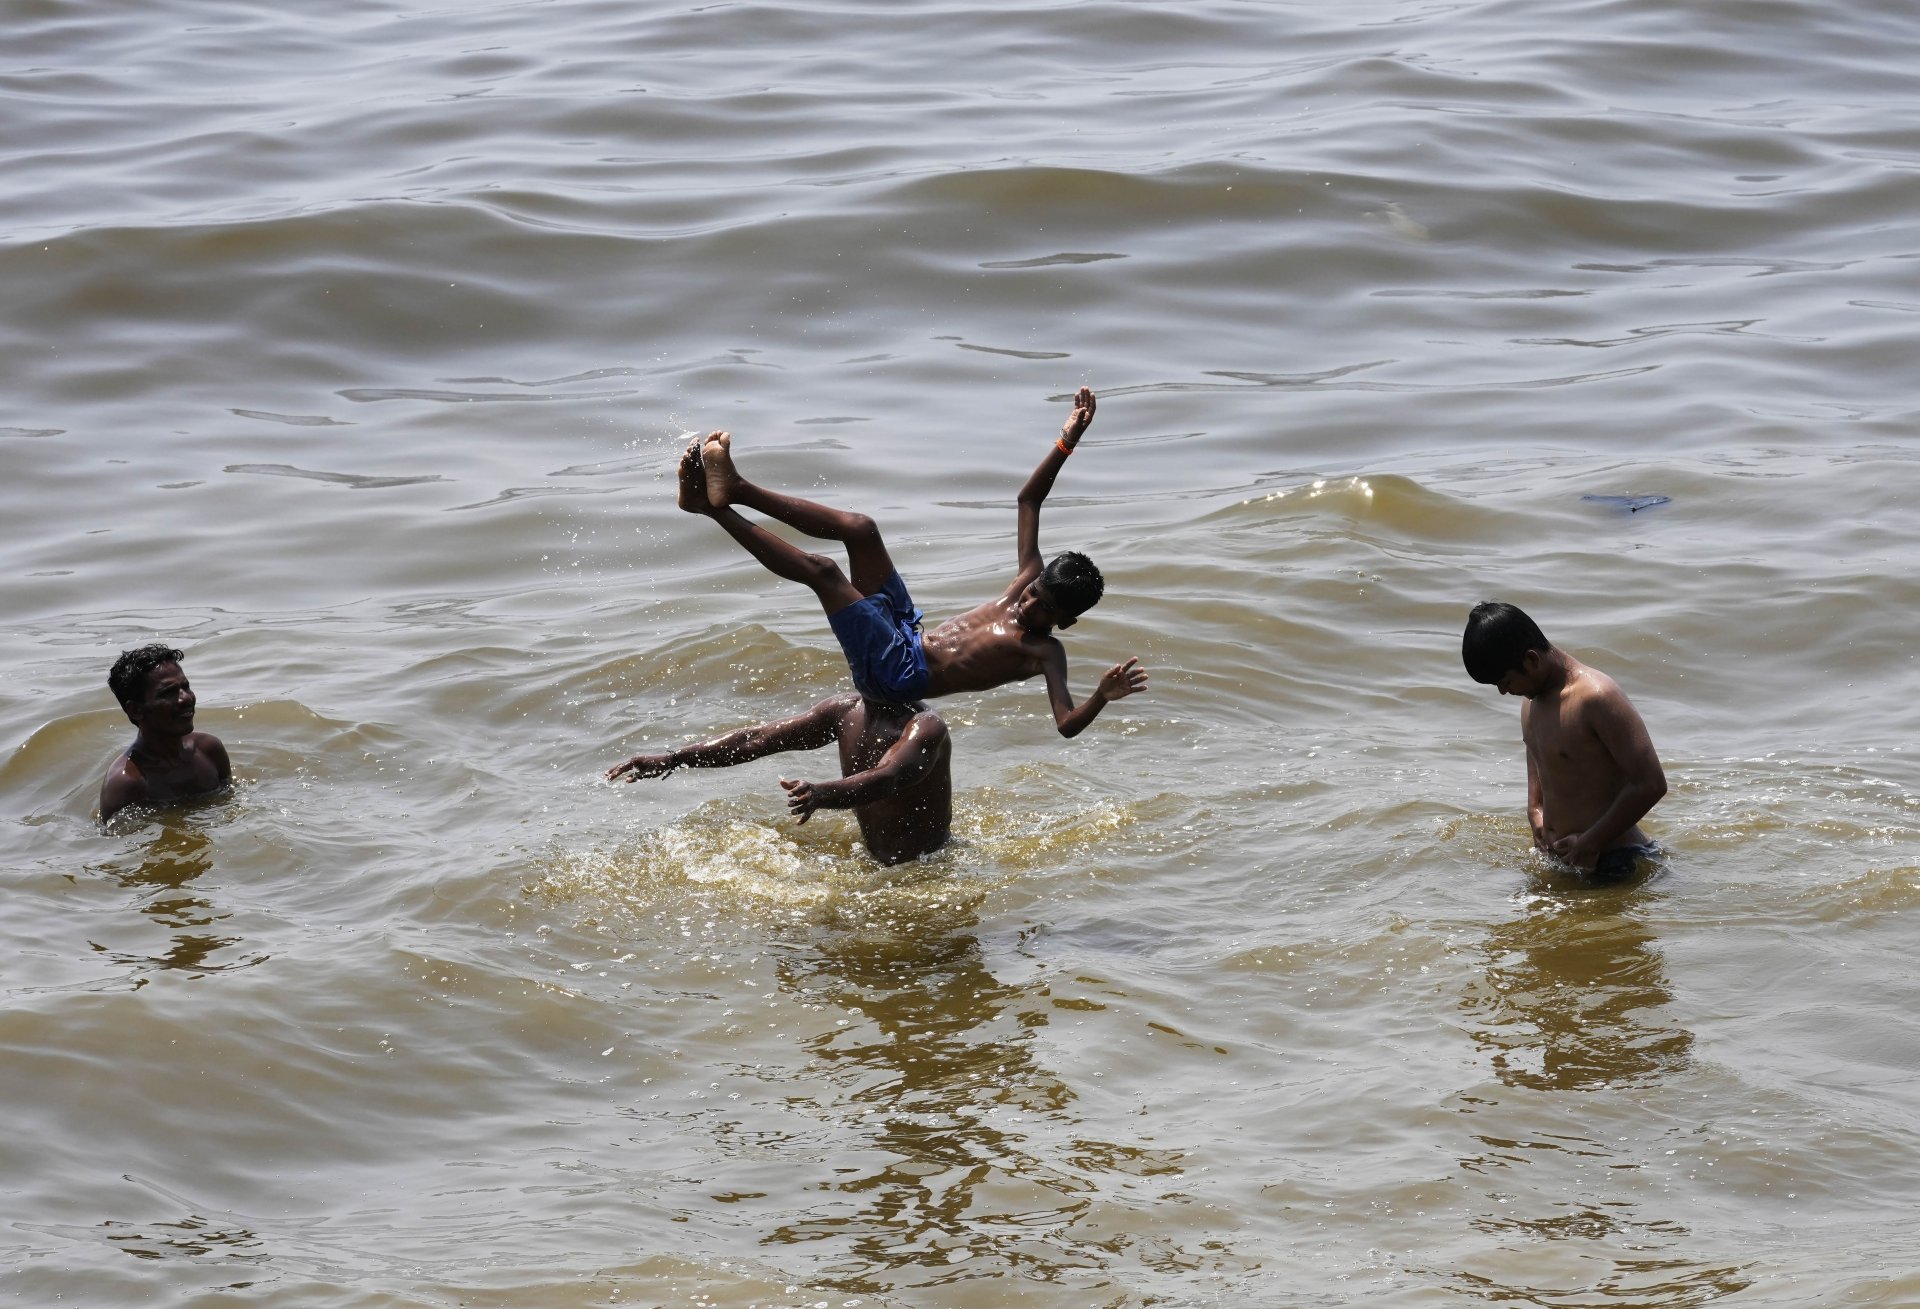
x,y
895,765
908,811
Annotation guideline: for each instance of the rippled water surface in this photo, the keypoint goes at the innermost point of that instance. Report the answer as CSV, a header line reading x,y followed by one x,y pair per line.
x,y
350,348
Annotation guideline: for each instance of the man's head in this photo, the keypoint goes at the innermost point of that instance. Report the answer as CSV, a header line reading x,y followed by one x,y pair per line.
x,y
1504,648
1069,586
151,688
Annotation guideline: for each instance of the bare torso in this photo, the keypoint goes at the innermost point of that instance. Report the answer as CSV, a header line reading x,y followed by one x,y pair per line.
x,y
137,776
983,648
916,820
1577,775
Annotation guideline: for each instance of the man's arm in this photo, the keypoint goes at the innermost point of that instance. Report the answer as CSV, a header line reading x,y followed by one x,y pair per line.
x,y
120,788
1623,734
1536,805
1536,798
217,752
1034,493
807,731
906,761
1117,683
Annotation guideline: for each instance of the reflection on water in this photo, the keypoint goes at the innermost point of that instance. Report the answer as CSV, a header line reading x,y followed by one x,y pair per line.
x,y
225,1241
958,1152
193,1236
1649,1283
1572,994
940,1071
178,854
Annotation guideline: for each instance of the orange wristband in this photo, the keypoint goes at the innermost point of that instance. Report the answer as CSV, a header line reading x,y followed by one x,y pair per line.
x,y
1065,449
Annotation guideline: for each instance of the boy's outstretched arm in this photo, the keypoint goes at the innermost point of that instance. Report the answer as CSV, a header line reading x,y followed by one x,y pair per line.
x,y
906,761
1034,493
807,731
1117,683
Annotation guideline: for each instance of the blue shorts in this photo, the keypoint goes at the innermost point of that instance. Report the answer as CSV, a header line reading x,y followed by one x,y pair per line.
x,y
1624,860
880,635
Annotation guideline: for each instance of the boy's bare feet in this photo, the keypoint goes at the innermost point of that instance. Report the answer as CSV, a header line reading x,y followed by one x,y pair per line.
x,y
716,459
693,480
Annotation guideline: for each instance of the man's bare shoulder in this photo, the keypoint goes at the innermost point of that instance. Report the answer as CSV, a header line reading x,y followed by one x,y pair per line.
x,y
123,785
213,750
928,728
1592,687
1596,699
123,771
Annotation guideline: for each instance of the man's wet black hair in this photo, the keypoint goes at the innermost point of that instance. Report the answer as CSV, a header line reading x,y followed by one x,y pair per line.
x,y
1498,637
128,679
1073,584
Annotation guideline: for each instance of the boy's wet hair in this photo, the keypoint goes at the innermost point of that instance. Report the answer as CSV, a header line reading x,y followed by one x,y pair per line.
x,y
1073,584
128,680
1497,638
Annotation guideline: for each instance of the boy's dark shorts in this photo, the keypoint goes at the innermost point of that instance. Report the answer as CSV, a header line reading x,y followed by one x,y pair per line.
x,y
880,635
1624,860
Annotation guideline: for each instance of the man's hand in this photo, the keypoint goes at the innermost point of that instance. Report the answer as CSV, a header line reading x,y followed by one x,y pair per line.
x,y
1577,850
1123,680
642,765
801,801
1081,418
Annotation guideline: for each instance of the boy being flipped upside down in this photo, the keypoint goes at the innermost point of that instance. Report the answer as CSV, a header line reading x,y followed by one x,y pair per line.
x,y
1007,639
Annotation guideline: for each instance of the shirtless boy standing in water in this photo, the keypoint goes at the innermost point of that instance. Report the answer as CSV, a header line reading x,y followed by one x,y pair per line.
x,y
1592,774
894,769
168,760
1007,639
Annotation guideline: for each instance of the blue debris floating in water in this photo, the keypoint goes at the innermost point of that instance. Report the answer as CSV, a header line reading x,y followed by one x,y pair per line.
x,y
1633,504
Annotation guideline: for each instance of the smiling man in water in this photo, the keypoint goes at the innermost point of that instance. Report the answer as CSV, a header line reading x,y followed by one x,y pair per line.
x,y
1592,774
168,760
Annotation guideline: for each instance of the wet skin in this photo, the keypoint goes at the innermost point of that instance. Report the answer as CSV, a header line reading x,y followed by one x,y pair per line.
x,y
1592,773
168,761
1007,639
895,766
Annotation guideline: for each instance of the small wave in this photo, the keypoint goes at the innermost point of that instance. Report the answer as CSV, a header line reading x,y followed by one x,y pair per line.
x,y
291,420
722,664
745,855
591,375
358,481
1050,261
513,493
377,394
1012,353
752,870
1399,505
1344,378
